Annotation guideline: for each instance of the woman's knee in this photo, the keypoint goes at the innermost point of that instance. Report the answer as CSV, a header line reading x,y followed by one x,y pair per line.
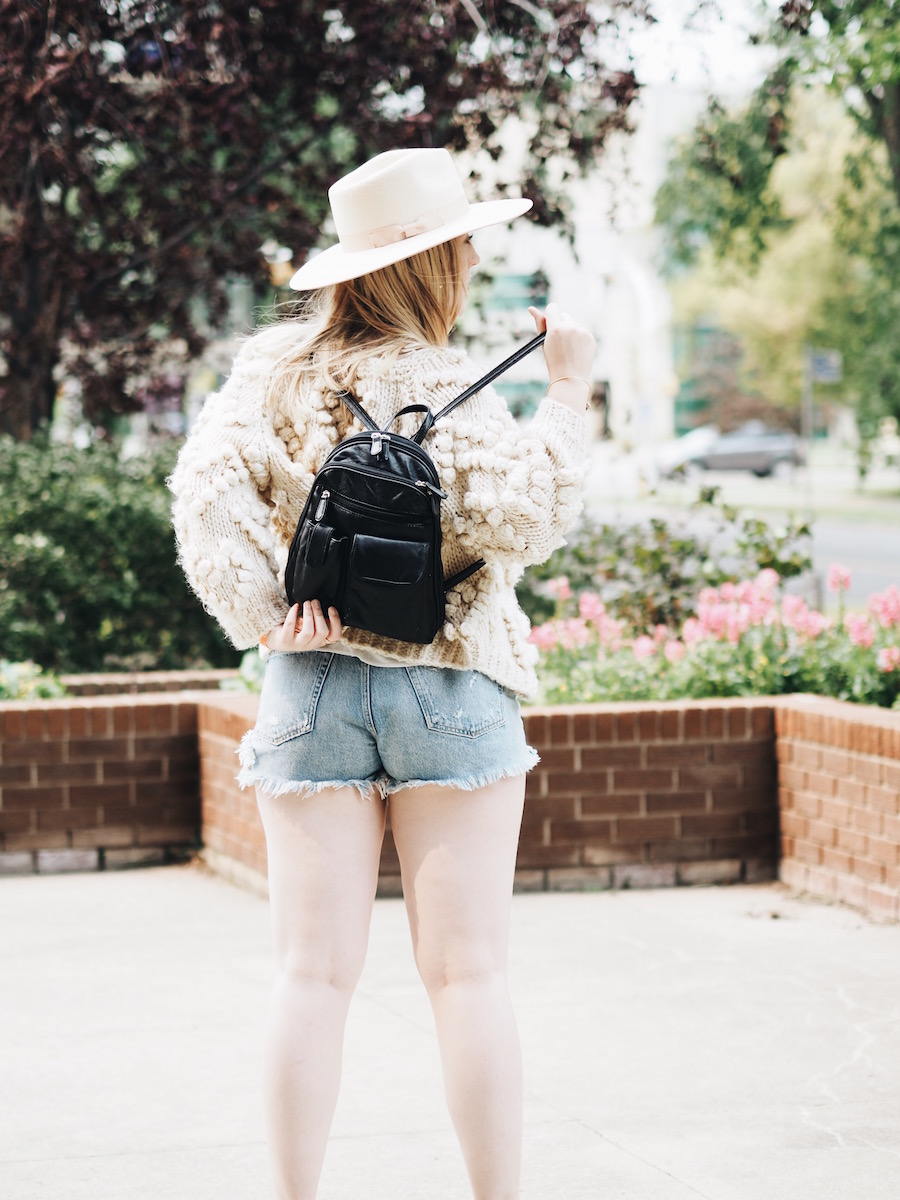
x,y
474,966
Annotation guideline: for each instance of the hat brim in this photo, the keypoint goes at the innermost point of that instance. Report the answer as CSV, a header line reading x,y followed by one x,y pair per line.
x,y
336,265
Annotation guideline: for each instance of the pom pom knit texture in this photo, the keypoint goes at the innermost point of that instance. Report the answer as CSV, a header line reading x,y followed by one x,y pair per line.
x,y
245,471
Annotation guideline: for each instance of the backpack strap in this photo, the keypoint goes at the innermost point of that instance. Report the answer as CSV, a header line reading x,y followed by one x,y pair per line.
x,y
358,411
515,357
454,580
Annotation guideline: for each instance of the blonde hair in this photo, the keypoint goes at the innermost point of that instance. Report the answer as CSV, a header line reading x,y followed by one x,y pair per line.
x,y
416,301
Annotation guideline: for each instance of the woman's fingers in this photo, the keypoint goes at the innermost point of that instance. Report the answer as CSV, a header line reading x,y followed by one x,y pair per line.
x,y
540,321
306,628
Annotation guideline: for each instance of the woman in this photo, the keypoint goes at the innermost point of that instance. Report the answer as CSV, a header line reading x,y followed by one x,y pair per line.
x,y
348,721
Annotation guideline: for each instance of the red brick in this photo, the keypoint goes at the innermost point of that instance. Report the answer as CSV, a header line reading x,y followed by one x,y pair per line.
x,y
865,820
560,729
883,902
103,837
16,822
94,748
684,754
837,860
28,751
537,727
583,728
738,722
605,726
743,752
613,756
548,856
100,793
709,776
869,871
836,762
711,824
20,773
869,770
603,806
676,802
891,828
744,798
762,721
154,718
34,797
822,882
100,720
884,852
153,792
694,724
578,783
139,768
851,791
601,856
851,891
550,806
166,835
67,818
808,756
639,780
678,850
56,722
66,772
745,846
827,835
583,832
882,799
12,723
626,727
793,825
852,841
645,829
648,726
48,840
670,723
715,723
558,759
535,781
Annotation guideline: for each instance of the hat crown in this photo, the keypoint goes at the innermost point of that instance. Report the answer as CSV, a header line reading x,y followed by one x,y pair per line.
x,y
396,189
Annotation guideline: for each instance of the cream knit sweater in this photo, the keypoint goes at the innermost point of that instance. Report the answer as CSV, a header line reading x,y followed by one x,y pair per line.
x,y
512,492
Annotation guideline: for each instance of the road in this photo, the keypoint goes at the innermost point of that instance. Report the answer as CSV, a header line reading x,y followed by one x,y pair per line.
x,y
860,529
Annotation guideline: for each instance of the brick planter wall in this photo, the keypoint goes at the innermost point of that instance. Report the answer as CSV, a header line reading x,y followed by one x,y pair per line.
x,y
839,798
625,795
87,783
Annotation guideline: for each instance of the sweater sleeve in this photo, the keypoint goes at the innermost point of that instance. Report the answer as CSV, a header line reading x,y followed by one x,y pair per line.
x,y
519,486
222,513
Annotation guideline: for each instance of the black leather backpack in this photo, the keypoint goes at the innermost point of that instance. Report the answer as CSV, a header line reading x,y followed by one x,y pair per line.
x,y
369,538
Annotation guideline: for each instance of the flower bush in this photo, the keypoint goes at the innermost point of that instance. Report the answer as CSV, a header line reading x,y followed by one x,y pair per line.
x,y
26,681
747,638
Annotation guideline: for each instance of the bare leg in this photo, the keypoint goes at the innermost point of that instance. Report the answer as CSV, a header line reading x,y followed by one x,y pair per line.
x,y
457,854
324,851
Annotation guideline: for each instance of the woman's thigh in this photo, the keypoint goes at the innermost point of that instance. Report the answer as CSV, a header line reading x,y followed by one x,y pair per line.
x,y
324,850
457,851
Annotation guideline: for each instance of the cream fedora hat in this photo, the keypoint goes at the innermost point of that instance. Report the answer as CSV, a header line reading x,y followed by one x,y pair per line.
x,y
394,206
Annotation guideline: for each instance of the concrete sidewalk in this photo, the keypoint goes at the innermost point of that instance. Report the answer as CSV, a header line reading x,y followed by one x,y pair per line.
x,y
732,1044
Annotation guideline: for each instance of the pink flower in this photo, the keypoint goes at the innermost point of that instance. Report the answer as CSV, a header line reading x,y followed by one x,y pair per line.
x,y
591,607
559,587
660,634
691,631
574,632
544,636
885,607
644,647
675,650
768,579
860,630
889,658
838,578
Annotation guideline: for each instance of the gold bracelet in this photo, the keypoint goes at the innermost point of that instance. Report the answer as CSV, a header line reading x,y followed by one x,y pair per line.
x,y
574,379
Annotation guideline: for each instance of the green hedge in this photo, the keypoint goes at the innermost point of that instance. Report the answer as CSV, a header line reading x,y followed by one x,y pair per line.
x,y
88,574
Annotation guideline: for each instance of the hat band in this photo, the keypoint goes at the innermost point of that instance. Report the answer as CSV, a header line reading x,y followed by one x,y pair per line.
x,y
387,235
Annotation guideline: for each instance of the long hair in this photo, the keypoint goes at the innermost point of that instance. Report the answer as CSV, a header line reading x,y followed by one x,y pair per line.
x,y
413,302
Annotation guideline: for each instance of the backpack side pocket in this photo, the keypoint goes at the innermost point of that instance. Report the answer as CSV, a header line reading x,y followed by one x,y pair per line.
x,y
384,588
316,566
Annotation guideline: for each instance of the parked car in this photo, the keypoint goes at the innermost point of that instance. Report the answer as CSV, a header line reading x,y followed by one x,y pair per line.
x,y
754,447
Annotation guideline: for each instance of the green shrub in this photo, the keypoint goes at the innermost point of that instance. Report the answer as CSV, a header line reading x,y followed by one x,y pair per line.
x,y
651,572
88,574
26,681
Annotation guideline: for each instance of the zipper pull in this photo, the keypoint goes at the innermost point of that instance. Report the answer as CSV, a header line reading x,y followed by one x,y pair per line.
x,y
429,487
321,506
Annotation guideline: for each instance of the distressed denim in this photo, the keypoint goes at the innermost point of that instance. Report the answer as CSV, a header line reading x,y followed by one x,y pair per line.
x,y
330,720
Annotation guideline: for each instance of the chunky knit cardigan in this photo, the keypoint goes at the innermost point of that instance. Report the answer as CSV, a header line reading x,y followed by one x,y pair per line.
x,y
245,471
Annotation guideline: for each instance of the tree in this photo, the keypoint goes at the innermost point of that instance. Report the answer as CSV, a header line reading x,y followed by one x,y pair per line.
x,y
827,271
150,148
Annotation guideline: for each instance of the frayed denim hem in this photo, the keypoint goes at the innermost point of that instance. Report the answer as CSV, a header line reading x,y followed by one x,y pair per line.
x,y
472,783
369,789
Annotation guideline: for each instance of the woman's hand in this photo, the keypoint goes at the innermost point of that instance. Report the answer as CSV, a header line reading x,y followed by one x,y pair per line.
x,y
569,353
310,631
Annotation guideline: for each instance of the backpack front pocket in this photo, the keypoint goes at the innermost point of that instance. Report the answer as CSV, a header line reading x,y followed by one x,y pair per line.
x,y
384,592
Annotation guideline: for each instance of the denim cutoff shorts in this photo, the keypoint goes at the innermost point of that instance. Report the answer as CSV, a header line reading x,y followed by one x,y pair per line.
x,y
330,720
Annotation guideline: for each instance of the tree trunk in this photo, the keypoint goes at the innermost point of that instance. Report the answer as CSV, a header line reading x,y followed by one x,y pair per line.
x,y
28,390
